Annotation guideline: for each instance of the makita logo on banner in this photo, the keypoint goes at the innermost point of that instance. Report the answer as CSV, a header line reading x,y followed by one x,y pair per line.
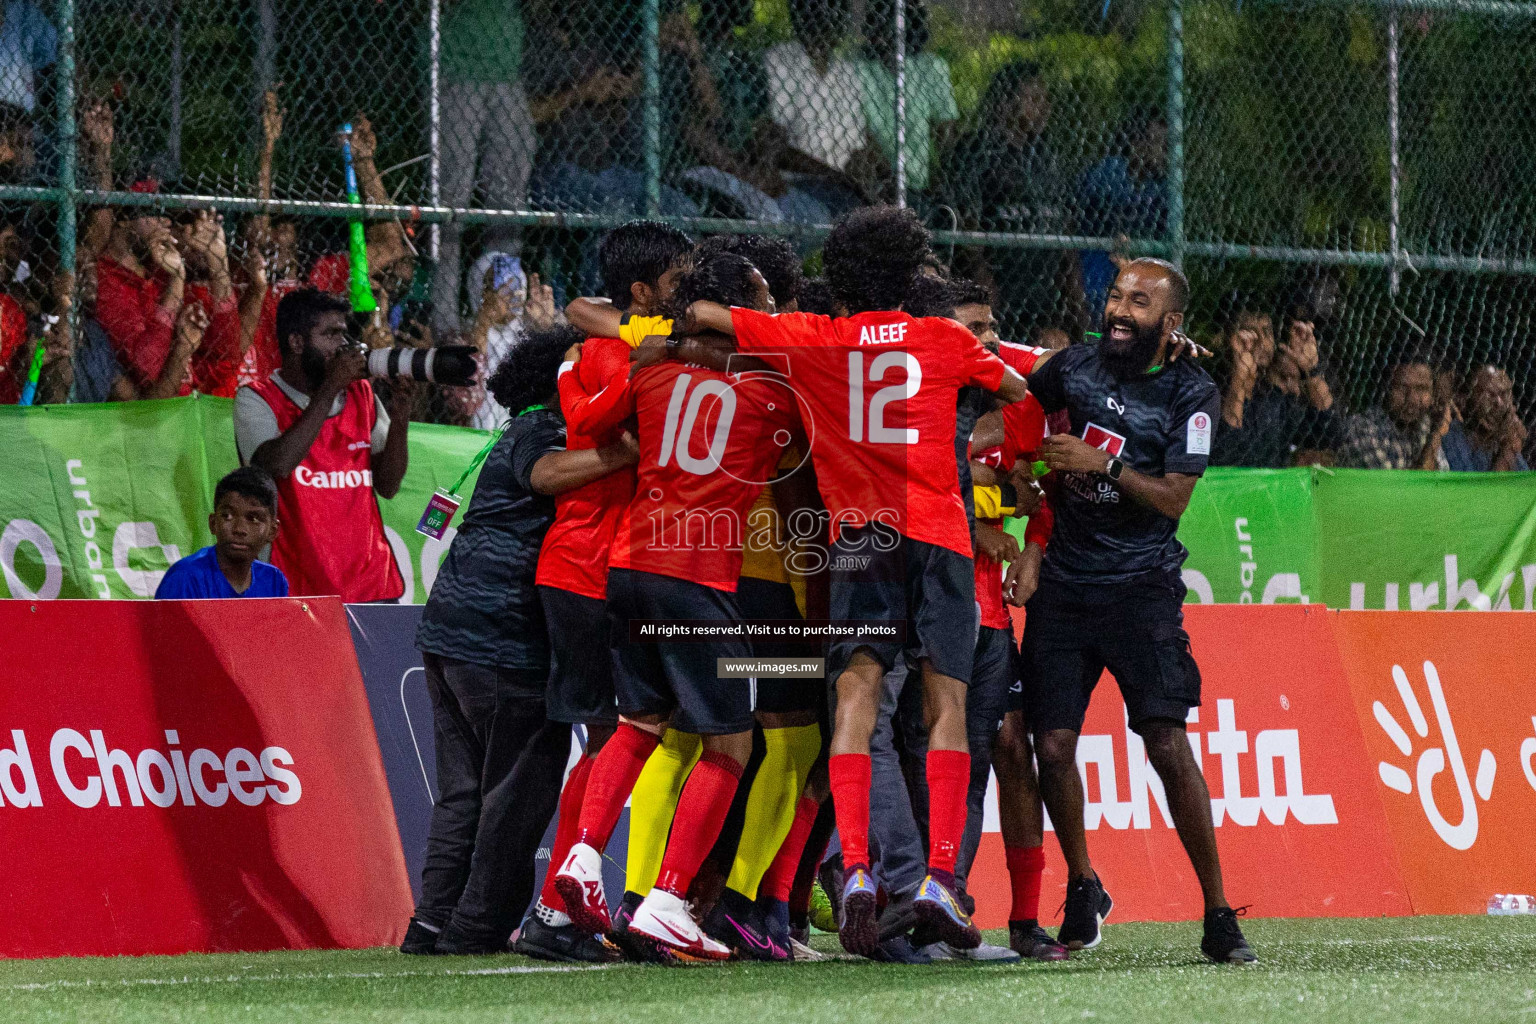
x,y
336,479
1258,778
86,771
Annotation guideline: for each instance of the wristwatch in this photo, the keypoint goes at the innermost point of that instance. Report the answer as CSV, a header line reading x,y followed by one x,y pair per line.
x,y
1113,468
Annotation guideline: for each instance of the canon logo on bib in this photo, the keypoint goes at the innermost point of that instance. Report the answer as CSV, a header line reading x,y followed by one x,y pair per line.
x,y
337,479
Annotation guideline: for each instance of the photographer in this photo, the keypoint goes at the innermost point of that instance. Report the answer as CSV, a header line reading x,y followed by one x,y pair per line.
x,y
316,426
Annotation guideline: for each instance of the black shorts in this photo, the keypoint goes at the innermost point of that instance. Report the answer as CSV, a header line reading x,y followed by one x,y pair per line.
x,y
880,576
1074,631
993,674
677,677
580,665
765,599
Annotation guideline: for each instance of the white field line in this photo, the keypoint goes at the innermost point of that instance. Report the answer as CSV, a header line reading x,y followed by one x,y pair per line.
x,y
43,986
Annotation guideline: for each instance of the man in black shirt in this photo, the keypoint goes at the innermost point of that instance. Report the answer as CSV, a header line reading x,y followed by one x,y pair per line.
x,y
484,646
1110,592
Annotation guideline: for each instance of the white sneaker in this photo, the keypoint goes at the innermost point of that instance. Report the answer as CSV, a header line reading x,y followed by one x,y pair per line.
x,y
938,951
990,954
804,954
664,918
580,884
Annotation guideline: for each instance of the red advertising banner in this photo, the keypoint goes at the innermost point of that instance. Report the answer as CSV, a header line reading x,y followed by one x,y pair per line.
x,y
1447,704
190,776
1299,820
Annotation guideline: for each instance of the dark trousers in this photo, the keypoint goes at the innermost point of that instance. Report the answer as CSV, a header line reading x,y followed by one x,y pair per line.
x,y
500,763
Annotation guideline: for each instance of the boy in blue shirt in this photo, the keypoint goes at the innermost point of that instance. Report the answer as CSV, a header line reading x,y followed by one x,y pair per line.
x,y
243,522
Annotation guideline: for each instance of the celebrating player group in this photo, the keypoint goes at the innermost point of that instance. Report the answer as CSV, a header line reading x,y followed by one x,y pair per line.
x,y
720,445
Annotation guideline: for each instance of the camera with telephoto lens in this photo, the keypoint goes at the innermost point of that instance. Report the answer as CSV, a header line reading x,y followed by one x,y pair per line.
x,y
453,365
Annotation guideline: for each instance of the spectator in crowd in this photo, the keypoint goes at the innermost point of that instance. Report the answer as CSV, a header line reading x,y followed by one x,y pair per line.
x,y
589,97
243,523
500,762
503,317
1278,403
142,296
28,44
391,256
719,142
1006,177
98,374
1125,194
1490,436
201,241
317,428
272,267
930,108
816,97
487,132
1406,430
25,322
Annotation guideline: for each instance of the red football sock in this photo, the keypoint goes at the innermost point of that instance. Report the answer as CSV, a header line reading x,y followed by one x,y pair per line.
x,y
701,811
571,798
613,776
850,801
949,774
1025,866
810,863
779,879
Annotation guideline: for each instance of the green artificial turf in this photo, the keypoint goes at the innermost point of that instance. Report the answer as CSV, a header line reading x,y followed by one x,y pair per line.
x,y
1403,970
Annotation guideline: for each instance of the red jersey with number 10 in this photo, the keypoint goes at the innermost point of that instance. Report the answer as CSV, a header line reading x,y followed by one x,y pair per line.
x,y
709,442
881,388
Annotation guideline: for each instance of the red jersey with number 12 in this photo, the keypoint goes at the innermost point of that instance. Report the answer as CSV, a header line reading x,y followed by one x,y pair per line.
x,y
881,388
709,442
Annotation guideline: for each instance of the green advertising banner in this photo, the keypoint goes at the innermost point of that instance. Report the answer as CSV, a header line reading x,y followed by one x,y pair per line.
x,y
97,501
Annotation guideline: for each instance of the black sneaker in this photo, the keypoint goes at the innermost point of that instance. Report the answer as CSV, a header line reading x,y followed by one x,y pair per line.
x,y
565,944
1087,907
1029,940
830,875
419,940
899,950
736,922
638,948
1223,941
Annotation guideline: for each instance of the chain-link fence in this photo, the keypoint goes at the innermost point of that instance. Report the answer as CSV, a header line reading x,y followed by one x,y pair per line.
x,y
1351,187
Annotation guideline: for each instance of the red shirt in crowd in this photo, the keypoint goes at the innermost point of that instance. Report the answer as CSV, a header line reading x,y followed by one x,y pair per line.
x,y
265,355
141,330
881,388
709,442
13,338
576,548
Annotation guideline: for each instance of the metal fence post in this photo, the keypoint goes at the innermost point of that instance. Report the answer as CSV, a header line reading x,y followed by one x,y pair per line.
x,y
67,134
1176,132
1394,240
650,52
901,102
434,116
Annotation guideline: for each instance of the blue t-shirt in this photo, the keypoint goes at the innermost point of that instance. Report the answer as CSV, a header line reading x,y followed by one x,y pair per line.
x,y
199,576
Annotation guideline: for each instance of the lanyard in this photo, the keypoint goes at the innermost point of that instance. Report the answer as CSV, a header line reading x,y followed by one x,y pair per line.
x,y
481,455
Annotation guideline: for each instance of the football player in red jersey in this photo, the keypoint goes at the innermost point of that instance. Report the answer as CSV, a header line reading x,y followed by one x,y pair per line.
x,y
709,442
882,388
641,261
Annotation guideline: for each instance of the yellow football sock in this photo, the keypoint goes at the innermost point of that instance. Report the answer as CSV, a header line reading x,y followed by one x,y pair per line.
x,y
652,803
771,804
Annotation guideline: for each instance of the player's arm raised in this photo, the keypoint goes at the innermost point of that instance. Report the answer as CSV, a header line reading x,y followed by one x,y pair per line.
x,y
1167,495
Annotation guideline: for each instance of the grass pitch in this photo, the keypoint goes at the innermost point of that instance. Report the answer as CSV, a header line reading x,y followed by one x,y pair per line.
x,y
1403,970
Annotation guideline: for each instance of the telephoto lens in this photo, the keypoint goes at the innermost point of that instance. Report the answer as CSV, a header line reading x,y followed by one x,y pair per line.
x,y
453,365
